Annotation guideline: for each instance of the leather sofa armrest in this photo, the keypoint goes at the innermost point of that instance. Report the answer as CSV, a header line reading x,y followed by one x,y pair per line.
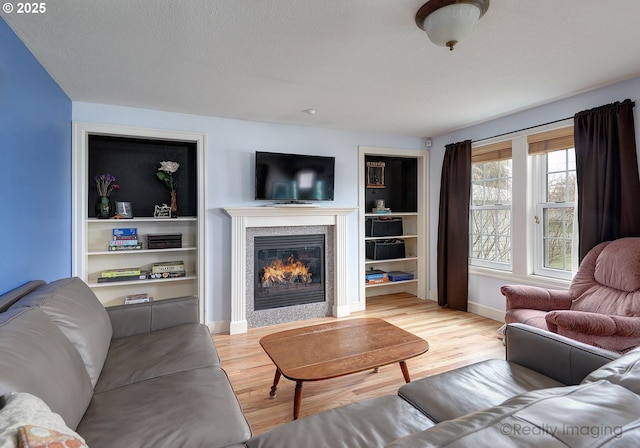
x,y
129,320
593,323
535,298
555,356
9,298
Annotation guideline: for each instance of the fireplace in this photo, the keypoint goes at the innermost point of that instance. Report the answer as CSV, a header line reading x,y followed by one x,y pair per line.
x,y
250,222
289,270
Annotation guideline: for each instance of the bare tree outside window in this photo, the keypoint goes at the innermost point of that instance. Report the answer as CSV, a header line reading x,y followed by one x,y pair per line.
x,y
490,214
558,212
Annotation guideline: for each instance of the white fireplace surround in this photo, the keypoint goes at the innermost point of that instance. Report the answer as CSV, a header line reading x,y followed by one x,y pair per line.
x,y
276,216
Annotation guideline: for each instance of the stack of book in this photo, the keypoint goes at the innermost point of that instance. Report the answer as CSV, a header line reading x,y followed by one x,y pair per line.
x,y
142,297
122,275
125,239
168,269
376,276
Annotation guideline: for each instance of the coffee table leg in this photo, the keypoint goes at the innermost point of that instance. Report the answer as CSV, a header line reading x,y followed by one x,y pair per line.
x,y
297,400
405,372
276,378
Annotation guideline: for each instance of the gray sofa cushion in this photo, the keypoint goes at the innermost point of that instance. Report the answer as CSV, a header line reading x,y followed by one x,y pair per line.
x,y
624,371
72,305
36,357
597,414
149,355
195,408
471,388
128,320
367,423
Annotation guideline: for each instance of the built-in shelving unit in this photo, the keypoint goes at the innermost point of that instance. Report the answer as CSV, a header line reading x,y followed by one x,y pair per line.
x,y
407,264
404,188
91,235
99,232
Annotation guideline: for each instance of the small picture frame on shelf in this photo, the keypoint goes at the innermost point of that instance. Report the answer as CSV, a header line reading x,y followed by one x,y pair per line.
x,y
162,211
375,174
124,210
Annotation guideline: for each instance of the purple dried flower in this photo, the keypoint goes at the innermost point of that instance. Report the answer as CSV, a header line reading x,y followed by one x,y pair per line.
x,y
104,184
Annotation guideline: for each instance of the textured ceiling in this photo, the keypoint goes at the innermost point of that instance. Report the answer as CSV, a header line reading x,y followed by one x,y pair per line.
x,y
363,64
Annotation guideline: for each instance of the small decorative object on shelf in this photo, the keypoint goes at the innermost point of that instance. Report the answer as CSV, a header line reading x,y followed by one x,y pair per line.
x,y
105,185
165,174
124,210
375,174
162,211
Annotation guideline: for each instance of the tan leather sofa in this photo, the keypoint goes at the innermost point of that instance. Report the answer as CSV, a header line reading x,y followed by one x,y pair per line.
x,y
144,375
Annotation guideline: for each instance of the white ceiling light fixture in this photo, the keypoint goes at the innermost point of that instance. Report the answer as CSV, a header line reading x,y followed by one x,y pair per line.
x,y
447,22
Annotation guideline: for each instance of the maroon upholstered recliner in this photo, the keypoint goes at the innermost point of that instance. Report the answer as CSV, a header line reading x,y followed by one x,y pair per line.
x,y
602,305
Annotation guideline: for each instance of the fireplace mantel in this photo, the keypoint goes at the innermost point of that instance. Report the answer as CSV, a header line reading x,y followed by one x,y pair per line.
x,y
287,216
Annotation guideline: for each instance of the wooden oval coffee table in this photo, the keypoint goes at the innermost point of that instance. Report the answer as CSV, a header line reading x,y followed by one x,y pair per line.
x,y
324,351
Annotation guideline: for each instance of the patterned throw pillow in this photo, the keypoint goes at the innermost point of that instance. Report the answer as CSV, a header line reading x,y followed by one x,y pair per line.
x,y
37,437
22,409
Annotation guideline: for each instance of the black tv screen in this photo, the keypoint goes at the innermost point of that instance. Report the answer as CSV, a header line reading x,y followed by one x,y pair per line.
x,y
294,177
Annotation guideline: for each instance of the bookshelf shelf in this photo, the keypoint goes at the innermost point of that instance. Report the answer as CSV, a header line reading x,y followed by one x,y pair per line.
x,y
140,252
93,281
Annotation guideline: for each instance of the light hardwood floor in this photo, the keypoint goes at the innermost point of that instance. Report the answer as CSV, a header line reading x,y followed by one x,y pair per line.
x,y
455,339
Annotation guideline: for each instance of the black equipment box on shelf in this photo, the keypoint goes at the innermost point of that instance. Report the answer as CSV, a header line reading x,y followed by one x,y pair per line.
x,y
383,226
164,241
385,249
398,276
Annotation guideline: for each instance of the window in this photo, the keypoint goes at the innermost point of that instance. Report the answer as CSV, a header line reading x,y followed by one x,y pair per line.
x,y
556,230
522,217
490,214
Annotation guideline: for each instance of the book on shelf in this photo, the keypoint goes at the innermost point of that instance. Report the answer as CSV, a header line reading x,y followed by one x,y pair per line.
x,y
377,281
123,272
168,266
136,247
373,274
124,231
137,298
128,242
124,237
124,278
155,275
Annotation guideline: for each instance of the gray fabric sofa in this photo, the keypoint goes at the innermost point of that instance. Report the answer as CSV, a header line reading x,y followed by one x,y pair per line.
x,y
550,391
144,375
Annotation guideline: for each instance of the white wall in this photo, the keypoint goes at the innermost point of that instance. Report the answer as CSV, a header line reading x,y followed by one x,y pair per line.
x,y
484,290
229,155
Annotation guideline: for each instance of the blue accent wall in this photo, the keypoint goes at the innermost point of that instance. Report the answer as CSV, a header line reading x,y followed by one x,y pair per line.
x,y
35,169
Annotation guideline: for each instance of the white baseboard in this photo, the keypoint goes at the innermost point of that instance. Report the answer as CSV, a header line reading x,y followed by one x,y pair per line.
x,y
221,326
486,311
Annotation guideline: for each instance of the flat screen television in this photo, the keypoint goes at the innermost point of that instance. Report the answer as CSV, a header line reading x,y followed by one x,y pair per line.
x,y
294,178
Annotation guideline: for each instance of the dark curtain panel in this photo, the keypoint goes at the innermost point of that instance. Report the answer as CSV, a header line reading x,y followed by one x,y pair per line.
x,y
453,226
607,174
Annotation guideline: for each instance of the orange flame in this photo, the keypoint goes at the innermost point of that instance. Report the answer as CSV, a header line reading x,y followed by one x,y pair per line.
x,y
279,273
